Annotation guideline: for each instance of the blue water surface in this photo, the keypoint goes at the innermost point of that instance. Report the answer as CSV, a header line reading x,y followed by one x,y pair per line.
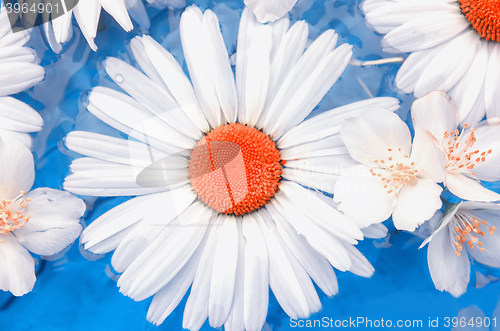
x,y
75,293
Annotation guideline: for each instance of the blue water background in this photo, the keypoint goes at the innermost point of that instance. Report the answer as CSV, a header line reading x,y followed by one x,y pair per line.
x,y
74,293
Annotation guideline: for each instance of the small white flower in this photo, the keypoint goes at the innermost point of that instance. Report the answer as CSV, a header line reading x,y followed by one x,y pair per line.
x,y
454,46
43,221
468,229
270,10
221,210
87,13
471,155
394,178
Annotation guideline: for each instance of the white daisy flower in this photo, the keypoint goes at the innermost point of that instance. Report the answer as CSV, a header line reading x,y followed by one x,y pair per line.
x,y
394,177
454,46
87,13
19,69
471,155
217,209
43,221
270,10
467,229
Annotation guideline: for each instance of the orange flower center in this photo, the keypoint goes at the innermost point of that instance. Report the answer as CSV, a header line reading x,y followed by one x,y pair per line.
x,y
484,15
10,220
235,169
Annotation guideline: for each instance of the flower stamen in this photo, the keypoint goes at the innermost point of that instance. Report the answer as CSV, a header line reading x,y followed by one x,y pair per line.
x,y
400,173
468,230
10,220
459,154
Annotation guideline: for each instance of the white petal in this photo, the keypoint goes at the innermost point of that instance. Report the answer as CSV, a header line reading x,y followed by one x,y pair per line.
x,y
289,282
18,116
360,265
193,44
322,241
17,274
125,114
447,67
412,69
316,265
256,276
118,10
171,74
121,151
220,69
163,258
280,28
287,54
440,223
315,180
258,68
468,89
333,164
375,231
23,138
104,231
313,89
332,145
469,189
449,272
329,122
321,213
248,25
173,204
321,47
428,156
167,299
54,221
435,113
19,76
87,15
196,310
492,84
424,32
362,197
371,135
223,272
418,200
150,95
389,15
111,179
269,11
235,320
17,172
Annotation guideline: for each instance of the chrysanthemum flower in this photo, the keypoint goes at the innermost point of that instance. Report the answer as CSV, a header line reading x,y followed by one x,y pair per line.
x,y
19,69
43,221
468,229
472,154
394,177
270,10
87,13
454,46
219,166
